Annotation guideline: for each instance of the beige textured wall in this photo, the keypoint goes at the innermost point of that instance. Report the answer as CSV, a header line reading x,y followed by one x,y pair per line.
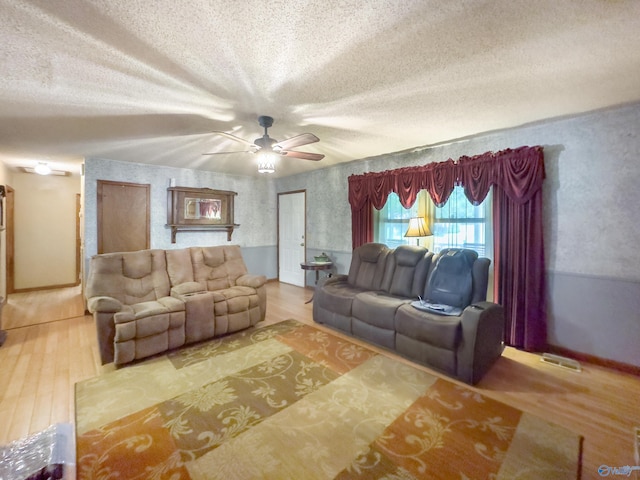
x,y
45,230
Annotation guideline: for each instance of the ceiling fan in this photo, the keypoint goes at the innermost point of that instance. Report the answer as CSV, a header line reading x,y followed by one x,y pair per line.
x,y
268,147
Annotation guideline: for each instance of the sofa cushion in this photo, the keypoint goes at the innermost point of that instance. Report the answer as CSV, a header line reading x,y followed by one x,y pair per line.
x,y
337,296
129,277
437,330
367,267
179,266
235,308
407,266
217,267
377,308
253,281
187,288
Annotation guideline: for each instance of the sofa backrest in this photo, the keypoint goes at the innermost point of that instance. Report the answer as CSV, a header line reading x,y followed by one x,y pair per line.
x,y
406,271
367,267
217,267
457,277
130,277
179,266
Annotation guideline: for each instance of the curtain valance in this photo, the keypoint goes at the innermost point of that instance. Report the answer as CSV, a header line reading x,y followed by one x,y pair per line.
x,y
518,172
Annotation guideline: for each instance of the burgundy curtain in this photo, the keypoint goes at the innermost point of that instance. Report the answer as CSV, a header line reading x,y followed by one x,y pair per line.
x,y
517,177
519,247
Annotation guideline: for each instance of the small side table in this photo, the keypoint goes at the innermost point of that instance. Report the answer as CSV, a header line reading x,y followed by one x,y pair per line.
x,y
317,267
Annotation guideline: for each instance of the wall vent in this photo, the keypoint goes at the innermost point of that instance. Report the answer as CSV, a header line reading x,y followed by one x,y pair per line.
x,y
564,362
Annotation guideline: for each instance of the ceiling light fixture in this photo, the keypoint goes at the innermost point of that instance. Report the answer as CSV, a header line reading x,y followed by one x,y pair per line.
x,y
266,162
42,168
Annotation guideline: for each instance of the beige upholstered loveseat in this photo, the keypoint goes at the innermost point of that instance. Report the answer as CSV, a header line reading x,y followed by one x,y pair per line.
x,y
150,301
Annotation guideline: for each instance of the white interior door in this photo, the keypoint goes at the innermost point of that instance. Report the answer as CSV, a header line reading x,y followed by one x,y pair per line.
x,y
291,237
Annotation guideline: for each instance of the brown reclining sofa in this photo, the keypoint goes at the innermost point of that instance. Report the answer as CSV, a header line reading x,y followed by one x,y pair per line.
x,y
151,301
454,330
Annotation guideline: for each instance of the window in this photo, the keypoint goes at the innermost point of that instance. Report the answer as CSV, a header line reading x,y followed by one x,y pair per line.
x,y
457,224
460,224
392,222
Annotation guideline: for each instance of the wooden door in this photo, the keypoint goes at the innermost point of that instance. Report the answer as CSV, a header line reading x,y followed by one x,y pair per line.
x,y
291,237
123,216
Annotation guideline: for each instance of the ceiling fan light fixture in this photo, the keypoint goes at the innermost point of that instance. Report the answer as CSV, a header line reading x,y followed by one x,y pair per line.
x,y
269,149
266,162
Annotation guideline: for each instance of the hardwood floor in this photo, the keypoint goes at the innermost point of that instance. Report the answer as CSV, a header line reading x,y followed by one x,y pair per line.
x,y
51,345
42,306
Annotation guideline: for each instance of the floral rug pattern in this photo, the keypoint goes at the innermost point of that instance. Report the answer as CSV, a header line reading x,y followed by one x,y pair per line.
x,y
292,401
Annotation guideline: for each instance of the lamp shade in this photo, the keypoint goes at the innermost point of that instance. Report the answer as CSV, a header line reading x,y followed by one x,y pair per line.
x,y
417,228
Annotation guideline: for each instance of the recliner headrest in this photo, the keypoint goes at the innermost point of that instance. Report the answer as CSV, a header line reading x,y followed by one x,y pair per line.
x,y
451,281
408,255
369,252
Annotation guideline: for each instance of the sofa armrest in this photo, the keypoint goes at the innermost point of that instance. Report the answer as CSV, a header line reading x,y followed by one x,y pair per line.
x,y
482,340
104,304
254,281
187,289
104,309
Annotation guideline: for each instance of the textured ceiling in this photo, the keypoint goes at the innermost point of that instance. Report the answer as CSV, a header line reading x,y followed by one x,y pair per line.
x,y
149,80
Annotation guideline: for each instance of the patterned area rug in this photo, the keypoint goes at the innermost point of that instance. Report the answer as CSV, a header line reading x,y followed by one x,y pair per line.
x,y
289,401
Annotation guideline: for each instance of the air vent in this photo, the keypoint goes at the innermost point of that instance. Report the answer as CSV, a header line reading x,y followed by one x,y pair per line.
x,y
563,362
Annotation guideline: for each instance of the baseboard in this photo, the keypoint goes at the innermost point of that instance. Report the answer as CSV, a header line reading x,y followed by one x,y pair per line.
x,y
48,287
592,359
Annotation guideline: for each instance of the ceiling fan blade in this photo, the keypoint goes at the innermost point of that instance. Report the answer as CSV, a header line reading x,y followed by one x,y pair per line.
x,y
297,141
237,139
225,153
303,155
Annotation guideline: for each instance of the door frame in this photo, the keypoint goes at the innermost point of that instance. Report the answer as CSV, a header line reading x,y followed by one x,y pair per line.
x,y
278,229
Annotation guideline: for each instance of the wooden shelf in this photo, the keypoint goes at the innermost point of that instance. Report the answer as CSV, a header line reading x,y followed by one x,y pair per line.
x,y
202,228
